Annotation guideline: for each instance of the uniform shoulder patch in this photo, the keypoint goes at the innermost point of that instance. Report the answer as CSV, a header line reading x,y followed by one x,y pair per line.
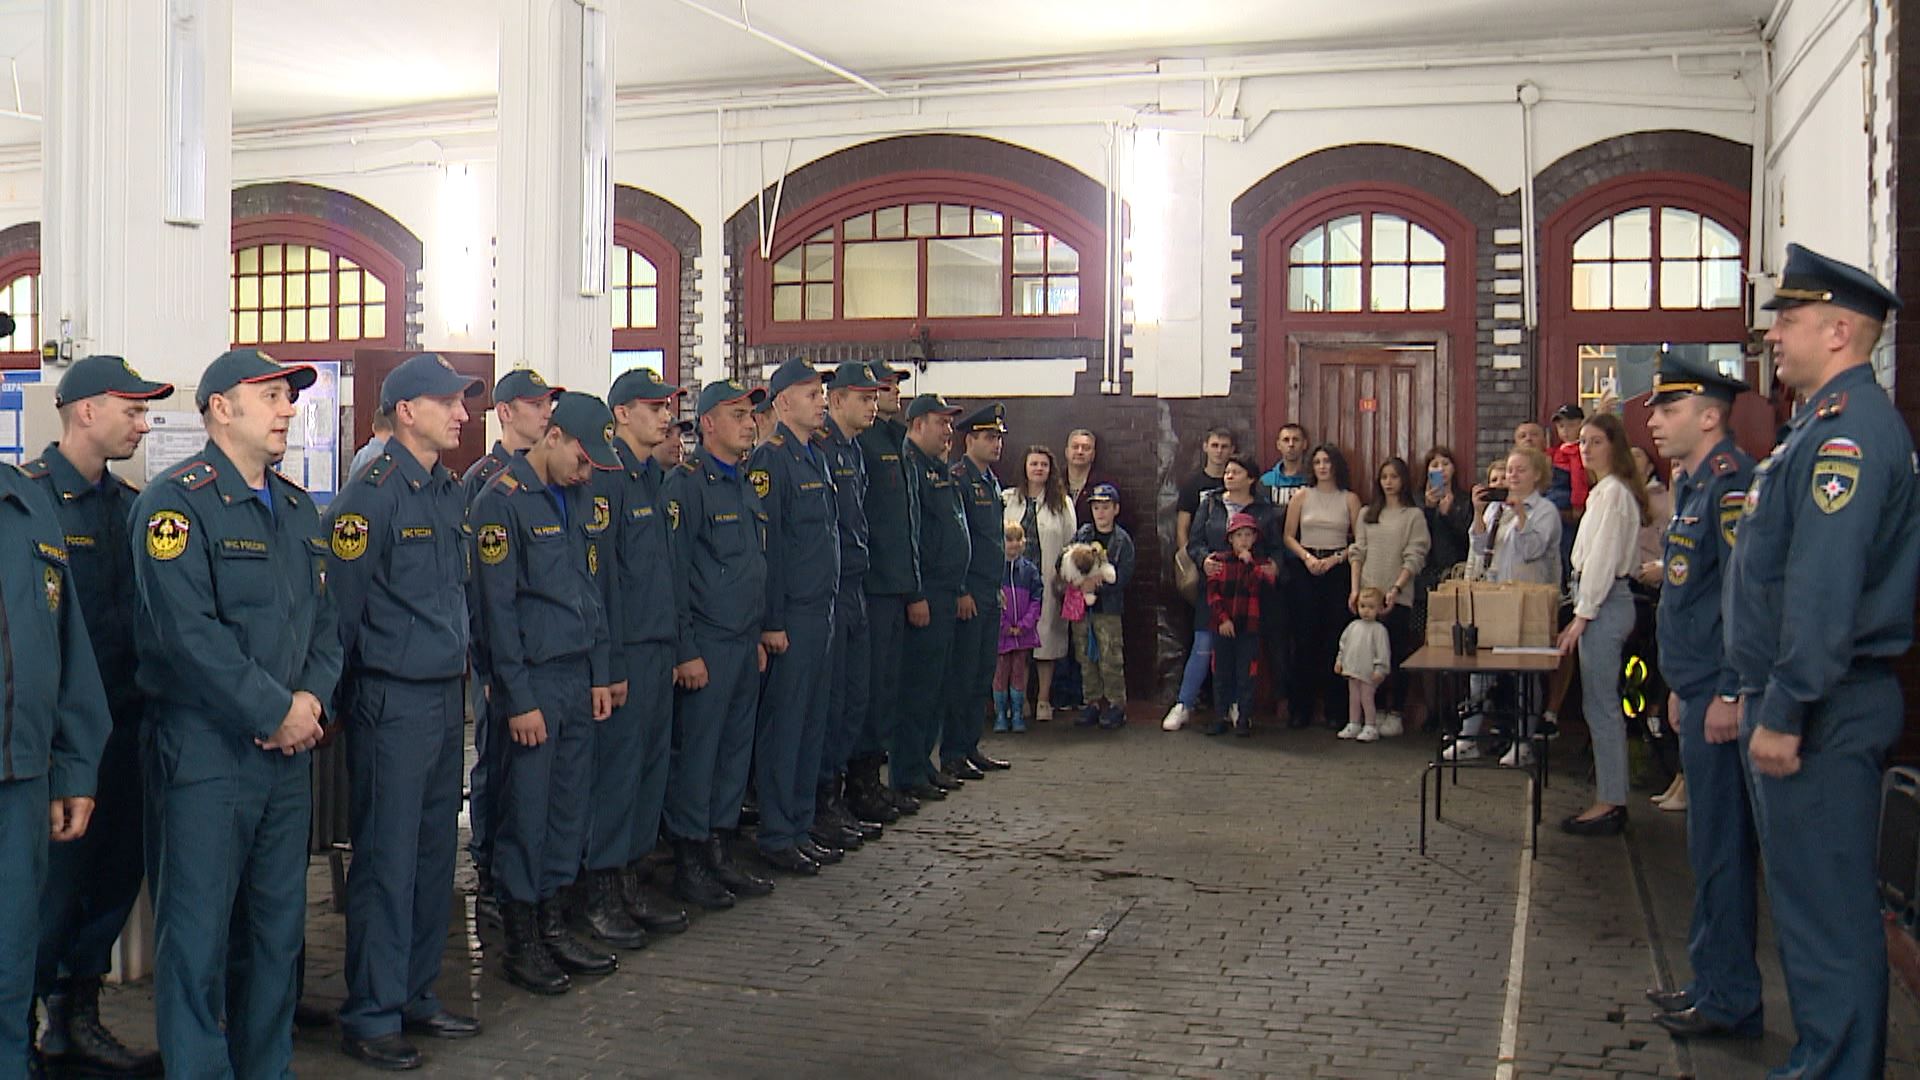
x,y
1723,464
349,540
36,469
167,533
507,482
776,439
761,480
194,475
1840,448
492,542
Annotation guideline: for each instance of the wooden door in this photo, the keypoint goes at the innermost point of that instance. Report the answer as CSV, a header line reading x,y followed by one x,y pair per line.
x,y
1373,402
370,368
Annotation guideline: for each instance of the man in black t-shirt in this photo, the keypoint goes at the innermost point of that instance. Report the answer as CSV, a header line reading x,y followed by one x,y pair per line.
x,y
1220,445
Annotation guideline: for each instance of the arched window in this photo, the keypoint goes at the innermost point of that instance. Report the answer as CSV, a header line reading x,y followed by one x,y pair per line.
x,y
964,256
310,289
1695,259
643,284
1369,261
20,298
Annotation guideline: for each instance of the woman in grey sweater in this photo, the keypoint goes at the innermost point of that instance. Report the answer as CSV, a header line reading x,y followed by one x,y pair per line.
x,y
1389,549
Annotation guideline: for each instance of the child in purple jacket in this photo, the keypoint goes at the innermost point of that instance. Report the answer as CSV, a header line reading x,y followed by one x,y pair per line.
x,y
1020,599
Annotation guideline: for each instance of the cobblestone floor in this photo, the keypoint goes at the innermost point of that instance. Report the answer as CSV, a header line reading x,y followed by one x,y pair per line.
x,y
1137,903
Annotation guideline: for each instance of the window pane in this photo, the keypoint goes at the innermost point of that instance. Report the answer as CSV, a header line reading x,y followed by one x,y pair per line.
x,y
317,325
1389,288
318,286
1030,296
1632,285
1306,289
376,292
270,292
956,221
787,267
1427,290
618,261
1061,258
297,290
1343,242
1025,226
1063,295
1722,287
270,328
988,222
654,360
374,320
1595,244
249,329
964,276
1427,247
249,293
786,303
1679,235
1311,248
1717,242
349,286
1389,243
824,236
1679,283
349,324
644,272
819,262
296,325
249,260
646,308
1343,288
883,281
859,227
1029,254
819,301
1592,286
348,264
891,223
270,257
296,257
1633,234
923,219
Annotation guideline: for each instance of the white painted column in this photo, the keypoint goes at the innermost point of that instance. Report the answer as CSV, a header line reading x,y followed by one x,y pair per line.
x,y
137,151
555,190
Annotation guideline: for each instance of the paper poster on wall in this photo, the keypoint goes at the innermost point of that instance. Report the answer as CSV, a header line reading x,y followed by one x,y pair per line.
x,y
177,435
313,438
13,426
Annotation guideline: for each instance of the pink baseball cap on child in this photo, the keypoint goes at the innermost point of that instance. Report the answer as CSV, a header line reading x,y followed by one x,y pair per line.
x,y
1242,520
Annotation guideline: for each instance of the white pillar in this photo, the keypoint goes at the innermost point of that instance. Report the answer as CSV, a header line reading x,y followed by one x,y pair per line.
x,y
556,190
137,173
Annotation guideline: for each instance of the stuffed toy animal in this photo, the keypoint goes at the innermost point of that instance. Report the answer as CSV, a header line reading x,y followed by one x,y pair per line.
x,y
1084,569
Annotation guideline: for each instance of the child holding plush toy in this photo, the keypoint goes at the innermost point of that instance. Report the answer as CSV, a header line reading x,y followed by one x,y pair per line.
x,y
1095,587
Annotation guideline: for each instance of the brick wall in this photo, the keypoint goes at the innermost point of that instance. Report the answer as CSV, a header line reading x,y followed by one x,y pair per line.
x,y
19,238
349,212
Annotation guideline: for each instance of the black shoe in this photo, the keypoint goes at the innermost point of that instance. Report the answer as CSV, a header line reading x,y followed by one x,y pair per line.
x,y
927,792
1113,719
867,830
1088,718
442,1025
824,854
838,837
979,760
574,956
693,882
945,781
737,881
790,861
963,769
906,804
1689,1024
91,1050
1670,1000
1611,823
528,965
633,899
391,1052
603,915
866,799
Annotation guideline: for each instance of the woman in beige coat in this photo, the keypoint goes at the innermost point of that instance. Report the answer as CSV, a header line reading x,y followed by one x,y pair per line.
x,y
1039,504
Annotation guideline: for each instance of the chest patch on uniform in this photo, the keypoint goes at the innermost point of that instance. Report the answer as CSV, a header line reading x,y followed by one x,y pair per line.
x,y
492,541
642,512
242,547
673,514
1834,482
167,535
1732,505
762,482
728,516
52,578
349,537
546,531
813,485
80,541
602,514
1677,570
51,553
417,532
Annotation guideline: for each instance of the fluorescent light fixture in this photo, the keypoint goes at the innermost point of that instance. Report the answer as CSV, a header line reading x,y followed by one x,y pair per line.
x,y
596,150
186,114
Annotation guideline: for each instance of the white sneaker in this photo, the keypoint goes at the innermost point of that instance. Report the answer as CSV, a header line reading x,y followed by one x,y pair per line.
x,y
1351,731
1461,750
1391,725
1176,718
1233,715
1368,734
1518,757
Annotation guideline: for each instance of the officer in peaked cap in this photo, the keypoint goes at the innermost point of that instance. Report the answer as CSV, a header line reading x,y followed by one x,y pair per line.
x,y
893,602
1691,423
239,654
945,551
92,882
1819,603
397,564
976,643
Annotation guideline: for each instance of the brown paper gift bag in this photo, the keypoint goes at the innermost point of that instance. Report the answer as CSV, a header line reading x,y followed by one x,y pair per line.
x,y
1511,614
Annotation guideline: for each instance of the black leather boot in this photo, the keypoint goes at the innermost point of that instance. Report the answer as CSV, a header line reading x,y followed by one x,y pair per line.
x,y
866,800
603,914
737,881
693,881
574,956
832,825
88,1047
528,965
633,899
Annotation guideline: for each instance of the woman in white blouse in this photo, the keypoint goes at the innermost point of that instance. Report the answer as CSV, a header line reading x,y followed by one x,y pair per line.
x,y
1605,555
1039,505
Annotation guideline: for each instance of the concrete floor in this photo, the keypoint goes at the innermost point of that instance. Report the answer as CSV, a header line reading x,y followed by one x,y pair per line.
x,y
1143,903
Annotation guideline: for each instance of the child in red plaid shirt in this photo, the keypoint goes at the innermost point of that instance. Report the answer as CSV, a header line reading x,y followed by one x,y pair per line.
x,y
1234,585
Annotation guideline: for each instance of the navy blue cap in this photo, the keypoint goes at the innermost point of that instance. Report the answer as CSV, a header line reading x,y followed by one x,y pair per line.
x,y
640,384
1811,278
989,418
726,392
791,373
107,375
1104,493
237,366
931,403
884,373
853,375
1681,375
588,419
426,375
523,384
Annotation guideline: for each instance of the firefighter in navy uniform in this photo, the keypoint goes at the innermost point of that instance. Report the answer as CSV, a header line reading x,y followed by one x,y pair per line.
x,y
945,549
1692,410
93,882
1818,605
539,610
398,569
239,653
976,643
718,535
893,601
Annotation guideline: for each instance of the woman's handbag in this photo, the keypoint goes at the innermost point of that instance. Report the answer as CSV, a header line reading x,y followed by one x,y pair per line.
x,y
1186,576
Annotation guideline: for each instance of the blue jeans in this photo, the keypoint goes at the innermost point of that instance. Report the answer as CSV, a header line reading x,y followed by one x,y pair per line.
x,y
1199,662
1600,646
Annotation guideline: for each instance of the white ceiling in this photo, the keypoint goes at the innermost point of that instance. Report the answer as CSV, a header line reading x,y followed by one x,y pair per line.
x,y
297,58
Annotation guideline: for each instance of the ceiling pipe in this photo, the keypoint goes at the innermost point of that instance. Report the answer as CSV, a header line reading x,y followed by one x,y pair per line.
x,y
745,25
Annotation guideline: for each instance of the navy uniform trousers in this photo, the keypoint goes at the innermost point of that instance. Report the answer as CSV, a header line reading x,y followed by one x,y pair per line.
x,y
1721,849
713,740
483,783
792,727
227,828
541,831
405,744
848,699
1819,828
630,759
93,882
887,640
969,683
928,653
23,873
